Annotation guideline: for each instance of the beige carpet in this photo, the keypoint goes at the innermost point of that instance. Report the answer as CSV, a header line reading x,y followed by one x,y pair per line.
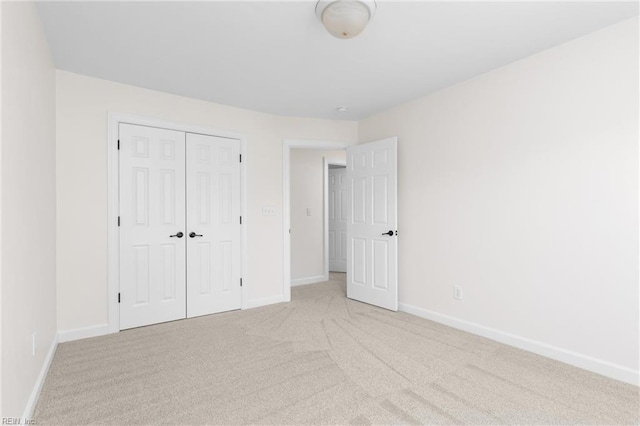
x,y
321,359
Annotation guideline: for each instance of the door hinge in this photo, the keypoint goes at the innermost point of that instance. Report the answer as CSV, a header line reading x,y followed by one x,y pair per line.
x,y
118,297
240,220
118,220
118,144
241,158
240,282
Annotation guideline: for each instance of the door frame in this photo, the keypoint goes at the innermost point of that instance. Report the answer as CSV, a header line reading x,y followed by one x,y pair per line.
x,y
328,163
287,145
113,244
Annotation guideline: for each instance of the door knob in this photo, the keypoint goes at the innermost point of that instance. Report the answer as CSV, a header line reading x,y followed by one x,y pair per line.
x,y
179,235
390,233
193,235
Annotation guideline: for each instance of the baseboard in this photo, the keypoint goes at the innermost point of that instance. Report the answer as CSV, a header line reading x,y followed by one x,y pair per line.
x,y
37,387
255,303
605,368
309,280
83,333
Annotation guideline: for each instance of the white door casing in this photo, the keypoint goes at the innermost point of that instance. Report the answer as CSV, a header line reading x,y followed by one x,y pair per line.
x,y
372,254
152,197
337,220
213,215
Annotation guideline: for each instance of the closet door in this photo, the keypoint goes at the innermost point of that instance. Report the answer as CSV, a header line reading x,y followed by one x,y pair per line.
x,y
213,224
152,225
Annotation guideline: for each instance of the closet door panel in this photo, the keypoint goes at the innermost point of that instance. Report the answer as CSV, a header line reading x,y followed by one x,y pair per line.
x,y
152,200
213,224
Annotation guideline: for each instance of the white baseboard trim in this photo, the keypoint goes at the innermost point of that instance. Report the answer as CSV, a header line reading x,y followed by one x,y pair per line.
x,y
37,387
595,365
309,280
83,333
255,303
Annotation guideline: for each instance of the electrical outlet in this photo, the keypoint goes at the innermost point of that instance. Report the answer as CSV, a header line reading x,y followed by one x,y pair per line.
x,y
308,212
457,292
268,211
34,343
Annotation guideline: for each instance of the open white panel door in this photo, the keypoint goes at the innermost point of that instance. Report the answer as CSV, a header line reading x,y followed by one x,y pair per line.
x,y
213,225
372,242
152,225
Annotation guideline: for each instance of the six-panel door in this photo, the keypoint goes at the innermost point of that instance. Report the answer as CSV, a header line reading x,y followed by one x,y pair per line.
x,y
213,225
152,199
179,225
337,220
372,242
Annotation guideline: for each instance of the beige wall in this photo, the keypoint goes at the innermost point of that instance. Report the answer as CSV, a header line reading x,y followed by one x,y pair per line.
x,y
82,106
521,187
1,119
307,191
28,204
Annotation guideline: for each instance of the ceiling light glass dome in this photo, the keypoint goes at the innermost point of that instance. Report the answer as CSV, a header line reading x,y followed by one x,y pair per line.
x,y
345,18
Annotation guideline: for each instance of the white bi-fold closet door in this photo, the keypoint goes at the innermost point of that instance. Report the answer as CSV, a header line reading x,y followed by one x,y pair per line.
x,y
179,225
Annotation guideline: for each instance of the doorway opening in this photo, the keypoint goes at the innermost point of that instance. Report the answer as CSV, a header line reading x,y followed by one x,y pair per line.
x,y
306,210
371,234
335,201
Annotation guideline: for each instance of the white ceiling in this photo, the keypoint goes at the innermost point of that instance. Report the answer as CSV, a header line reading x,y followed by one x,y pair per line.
x,y
276,57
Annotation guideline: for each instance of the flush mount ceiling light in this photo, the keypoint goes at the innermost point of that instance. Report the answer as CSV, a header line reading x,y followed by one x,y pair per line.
x,y
345,18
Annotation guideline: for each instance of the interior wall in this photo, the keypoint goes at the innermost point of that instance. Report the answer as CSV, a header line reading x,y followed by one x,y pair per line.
x,y
1,345
521,187
307,231
28,205
82,106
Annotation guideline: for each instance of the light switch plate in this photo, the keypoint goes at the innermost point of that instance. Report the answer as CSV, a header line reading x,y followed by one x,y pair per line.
x,y
268,211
